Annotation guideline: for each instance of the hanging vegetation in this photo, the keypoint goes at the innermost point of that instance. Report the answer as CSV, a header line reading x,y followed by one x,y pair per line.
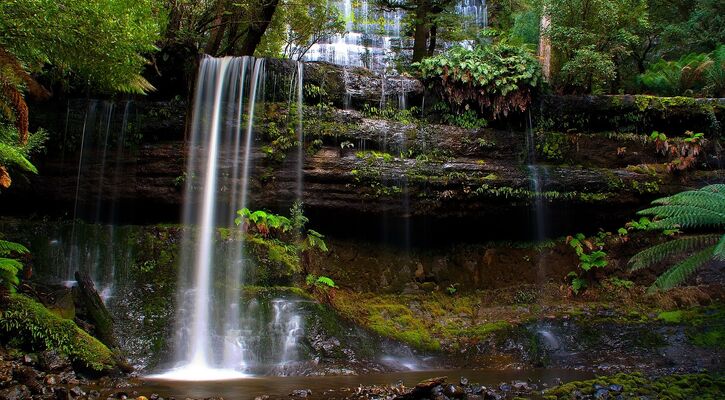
x,y
497,78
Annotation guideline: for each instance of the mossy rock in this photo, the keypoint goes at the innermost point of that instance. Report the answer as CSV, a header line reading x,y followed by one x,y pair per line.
x,y
671,387
29,323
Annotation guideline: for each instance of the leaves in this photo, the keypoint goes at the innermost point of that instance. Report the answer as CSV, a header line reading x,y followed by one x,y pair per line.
x,y
497,77
703,208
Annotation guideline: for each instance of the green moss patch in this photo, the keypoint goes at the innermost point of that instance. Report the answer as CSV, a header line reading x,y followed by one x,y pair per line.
x,y
29,323
671,387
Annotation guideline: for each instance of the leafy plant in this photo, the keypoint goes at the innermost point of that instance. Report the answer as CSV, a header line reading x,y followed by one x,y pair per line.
x,y
692,74
703,208
452,289
591,255
319,281
497,77
10,266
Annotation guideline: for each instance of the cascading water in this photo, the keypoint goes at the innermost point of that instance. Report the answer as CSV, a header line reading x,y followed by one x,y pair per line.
x,y
100,131
218,335
369,44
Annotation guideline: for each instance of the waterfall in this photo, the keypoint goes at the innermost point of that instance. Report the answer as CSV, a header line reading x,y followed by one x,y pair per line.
x,y
99,131
219,336
368,44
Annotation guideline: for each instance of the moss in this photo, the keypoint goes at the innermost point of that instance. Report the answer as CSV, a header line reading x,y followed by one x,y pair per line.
x,y
38,328
671,317
482,331
670,387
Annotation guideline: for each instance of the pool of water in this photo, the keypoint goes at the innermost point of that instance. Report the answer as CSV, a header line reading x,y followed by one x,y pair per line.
x,y
337,387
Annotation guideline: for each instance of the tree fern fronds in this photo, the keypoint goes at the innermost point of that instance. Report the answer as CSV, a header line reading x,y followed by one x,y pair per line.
x,y
11,155
657,253
12,247
710,200
686,221
718,252
682,210
681,271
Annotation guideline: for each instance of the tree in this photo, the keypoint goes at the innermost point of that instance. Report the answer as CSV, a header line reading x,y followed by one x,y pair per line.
x,y
424,16
590,40
699,209
97,41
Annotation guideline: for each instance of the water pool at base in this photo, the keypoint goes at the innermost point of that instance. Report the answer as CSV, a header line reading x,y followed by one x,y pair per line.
x,y
339,387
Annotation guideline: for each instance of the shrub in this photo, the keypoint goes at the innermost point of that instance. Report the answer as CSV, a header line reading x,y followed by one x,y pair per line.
x,y
498,77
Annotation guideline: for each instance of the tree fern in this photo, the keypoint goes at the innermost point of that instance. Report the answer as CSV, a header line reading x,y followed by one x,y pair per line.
x,y
682,270
11,247
703,208
657,253
9,267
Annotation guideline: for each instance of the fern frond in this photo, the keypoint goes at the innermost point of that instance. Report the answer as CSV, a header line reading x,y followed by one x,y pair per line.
x,y
10,265
675,210
681,271
12,247
11,155
714,201
686,221
657,253
718,252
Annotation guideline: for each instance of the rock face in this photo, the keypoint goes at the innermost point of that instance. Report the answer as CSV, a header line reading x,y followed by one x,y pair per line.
x,y
585,152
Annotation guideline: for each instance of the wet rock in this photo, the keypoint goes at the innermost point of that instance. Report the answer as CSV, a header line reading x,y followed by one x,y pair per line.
x,y
30,359
94,394
521,386
154,396
464,381
76,391
615,388
425,388
19,392
601,394
28,377
301,393
263,397
51,380
492,395
50,360
504,387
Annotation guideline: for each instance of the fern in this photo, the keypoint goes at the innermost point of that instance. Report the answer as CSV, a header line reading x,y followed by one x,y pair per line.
x,y
657,253
682,270
10,155
11,247
703,208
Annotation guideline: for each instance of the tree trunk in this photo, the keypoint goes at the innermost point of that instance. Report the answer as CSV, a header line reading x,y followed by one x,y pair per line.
x,y
422,30
217,29
433,37
256,30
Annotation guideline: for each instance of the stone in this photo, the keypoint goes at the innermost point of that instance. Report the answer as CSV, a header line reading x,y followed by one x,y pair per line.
x,y
263,397
28,377
616,388
424,389
50,360
504,387
464,381
19,392
76,391
301,393
601,394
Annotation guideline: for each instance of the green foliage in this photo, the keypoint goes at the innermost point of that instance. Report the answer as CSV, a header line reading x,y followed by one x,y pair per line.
x,y
38,328
468,119
692,74
589,38
283,238
9,267
499,77
101,41
635,385
319,281
703,208
591,255
405,116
